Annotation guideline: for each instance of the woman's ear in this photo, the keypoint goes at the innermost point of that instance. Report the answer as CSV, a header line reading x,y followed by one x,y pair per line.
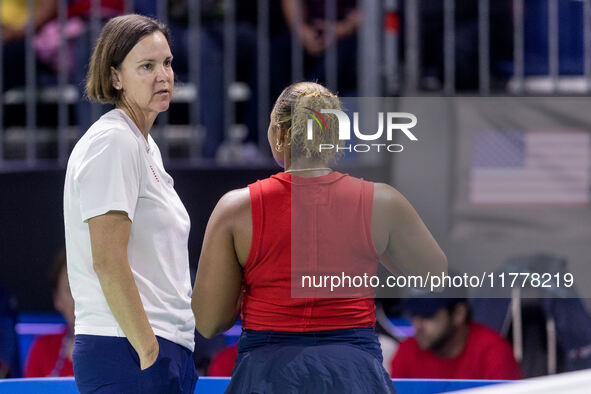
x,y
279,136
282,136
286,136
115,80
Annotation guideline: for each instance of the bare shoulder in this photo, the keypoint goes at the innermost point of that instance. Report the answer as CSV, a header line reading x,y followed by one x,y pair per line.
x,y
236,198
233,217
234,202
387,197
391,207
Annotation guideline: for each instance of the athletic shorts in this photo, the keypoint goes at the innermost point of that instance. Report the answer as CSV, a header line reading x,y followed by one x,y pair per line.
x,y
104,364
338,361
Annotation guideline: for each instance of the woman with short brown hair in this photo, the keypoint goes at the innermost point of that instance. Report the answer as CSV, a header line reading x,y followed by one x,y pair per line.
x,y
126,228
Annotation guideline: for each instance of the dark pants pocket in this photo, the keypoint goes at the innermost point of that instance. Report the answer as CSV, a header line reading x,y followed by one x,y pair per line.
x,y
157,379
111,365
103,365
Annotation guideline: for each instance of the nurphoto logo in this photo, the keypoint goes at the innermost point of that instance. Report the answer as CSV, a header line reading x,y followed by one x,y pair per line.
x,y
345,130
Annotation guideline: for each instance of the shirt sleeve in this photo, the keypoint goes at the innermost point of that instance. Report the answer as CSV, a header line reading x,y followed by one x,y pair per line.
x,y
109,176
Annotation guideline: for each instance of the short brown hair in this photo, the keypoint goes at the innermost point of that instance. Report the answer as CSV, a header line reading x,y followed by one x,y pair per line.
x,y
117,38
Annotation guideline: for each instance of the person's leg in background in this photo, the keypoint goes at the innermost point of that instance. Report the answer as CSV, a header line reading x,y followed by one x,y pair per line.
x,y
86,112
247,63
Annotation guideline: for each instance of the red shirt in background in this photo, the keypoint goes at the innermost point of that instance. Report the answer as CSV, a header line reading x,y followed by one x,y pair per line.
x,y
223,362
43,357
108,8
486,356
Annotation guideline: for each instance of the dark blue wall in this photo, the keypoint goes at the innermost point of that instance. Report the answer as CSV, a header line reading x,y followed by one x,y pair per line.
x,y
32,228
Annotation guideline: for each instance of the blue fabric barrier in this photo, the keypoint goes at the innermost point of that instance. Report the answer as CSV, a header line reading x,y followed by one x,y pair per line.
x,y
211,385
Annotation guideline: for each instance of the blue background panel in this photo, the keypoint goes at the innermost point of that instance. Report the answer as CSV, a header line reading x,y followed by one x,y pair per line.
x,y
210,385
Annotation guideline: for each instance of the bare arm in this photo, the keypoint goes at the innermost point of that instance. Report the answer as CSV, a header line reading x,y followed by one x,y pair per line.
x,y
399,231
312,39
109,235
291,9
216,294
348,25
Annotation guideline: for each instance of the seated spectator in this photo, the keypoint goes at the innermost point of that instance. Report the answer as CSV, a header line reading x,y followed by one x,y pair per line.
x,y
51,355
13,22
449,345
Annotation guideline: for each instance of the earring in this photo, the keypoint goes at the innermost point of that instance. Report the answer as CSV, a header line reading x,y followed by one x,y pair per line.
x,y
278,146
117,87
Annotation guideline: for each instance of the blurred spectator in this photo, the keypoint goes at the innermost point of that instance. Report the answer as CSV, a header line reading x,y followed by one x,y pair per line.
x,y
51,355
211,67
8,338
82,10
47,41
449,345
312,33
14,24
223,363
211,78
466,42
15,17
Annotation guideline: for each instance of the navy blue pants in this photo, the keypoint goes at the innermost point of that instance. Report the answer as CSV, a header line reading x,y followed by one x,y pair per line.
x,y
338,361
104,364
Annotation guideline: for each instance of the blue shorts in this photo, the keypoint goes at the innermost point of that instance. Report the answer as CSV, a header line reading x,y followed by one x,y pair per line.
x,y
338,361
104,364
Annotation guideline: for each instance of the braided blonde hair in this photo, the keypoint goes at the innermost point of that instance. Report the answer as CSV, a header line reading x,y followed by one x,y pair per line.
x,y
292,111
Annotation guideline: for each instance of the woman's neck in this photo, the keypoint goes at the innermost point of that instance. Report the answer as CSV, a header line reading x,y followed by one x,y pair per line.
x,y
143,121
307,168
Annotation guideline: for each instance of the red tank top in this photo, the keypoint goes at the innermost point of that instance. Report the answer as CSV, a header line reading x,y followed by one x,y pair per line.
x,y
319,223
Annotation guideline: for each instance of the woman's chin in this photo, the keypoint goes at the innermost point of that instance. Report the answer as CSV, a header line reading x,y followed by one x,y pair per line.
x,y
163,106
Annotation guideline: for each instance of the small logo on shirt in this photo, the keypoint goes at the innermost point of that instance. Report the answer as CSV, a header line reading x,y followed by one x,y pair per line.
x,y
154,173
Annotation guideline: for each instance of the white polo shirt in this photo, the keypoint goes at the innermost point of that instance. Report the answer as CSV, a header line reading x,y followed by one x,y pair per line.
x,y
113,167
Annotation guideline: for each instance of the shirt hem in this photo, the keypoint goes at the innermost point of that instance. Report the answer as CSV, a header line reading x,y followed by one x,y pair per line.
x,y
118,332
91,213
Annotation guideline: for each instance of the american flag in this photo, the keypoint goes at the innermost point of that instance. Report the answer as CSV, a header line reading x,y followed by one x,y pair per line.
x,y
530,167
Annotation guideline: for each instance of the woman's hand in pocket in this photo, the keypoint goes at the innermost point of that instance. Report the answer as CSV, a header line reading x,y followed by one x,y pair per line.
x,y
148,358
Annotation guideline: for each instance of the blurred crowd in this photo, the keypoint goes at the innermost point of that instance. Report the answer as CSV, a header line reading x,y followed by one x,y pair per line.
x,y
303,20
312,33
